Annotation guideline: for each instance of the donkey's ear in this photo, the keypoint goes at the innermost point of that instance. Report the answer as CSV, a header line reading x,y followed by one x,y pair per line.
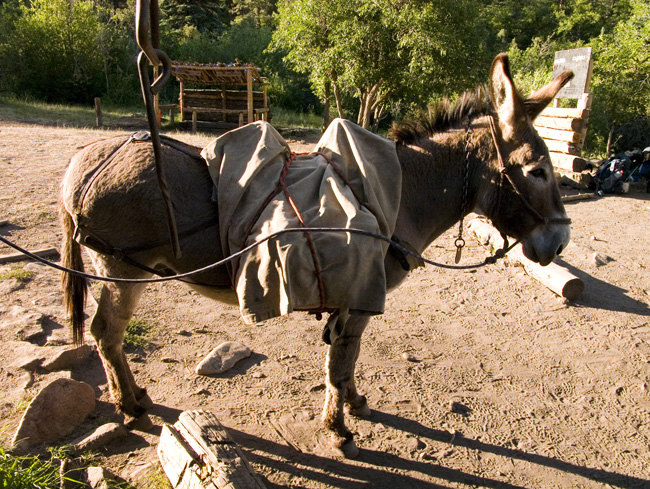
x,y
539,99
508,104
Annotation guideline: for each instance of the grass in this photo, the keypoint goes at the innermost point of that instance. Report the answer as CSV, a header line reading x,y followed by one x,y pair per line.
x,y
289,119
138,333
34,112
17,272
30,111
29,471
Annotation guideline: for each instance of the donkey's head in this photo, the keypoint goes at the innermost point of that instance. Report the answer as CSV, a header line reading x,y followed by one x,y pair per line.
x,y
526,202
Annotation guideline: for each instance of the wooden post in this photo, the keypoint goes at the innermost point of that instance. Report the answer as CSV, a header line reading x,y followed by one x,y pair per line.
x,y
249,94
181,101
98,112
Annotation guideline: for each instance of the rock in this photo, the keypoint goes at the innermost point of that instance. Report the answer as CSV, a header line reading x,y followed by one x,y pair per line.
x,y
223,358
601,259
56,410
66,358
100,478
101,437
410,358
28,325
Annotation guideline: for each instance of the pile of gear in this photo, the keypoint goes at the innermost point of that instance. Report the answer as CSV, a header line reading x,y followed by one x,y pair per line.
x,y
615,174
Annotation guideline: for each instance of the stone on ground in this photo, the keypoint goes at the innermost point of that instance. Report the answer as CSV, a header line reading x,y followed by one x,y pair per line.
x,y
57,409
223,358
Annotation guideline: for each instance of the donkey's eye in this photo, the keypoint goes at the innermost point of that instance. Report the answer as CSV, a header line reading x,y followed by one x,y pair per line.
x,y
538,173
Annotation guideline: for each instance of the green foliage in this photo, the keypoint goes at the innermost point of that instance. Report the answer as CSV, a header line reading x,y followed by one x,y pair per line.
x,y
27,472
138,333
380,51
621,81
17,272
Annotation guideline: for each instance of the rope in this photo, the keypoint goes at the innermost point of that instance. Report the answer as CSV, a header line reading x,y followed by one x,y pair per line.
x,y
488,261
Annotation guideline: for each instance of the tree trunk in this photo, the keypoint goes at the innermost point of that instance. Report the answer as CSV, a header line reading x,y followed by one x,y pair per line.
x,y
339,100
326,105
609,140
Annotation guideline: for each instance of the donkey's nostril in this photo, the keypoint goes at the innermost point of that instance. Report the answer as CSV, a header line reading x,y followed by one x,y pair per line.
x,y
559,250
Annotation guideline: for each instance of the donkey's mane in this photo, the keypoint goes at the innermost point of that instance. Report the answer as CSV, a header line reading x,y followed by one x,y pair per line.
x,y
444,115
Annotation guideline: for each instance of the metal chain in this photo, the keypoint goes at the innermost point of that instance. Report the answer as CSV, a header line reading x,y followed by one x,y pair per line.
x,y
460,242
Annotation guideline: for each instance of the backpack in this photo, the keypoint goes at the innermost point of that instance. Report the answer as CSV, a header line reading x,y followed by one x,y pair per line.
x,y
612,173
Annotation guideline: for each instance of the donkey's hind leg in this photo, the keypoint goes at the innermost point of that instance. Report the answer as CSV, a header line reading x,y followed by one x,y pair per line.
x,y
114,310
345,338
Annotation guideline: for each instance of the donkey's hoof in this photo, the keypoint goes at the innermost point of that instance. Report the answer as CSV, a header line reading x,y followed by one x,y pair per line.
x,y
141,423
348,450
360,411
344,446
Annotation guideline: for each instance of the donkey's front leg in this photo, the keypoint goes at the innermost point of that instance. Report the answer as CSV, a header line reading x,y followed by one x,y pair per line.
x,y
345,339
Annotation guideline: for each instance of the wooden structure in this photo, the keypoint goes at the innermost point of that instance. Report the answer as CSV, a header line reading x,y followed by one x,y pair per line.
x,y
213,92
564,129
198,453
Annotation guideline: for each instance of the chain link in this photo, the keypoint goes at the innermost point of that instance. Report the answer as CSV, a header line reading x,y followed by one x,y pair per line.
x,y
460,242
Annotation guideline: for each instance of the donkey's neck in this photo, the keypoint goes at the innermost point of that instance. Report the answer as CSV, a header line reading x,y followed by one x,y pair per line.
x,y
433,177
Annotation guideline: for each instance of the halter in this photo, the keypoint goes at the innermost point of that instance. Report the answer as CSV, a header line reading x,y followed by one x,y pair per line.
x,y
504,174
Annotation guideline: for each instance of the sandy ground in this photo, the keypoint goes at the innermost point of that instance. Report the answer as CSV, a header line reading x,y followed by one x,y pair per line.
x,y
513,387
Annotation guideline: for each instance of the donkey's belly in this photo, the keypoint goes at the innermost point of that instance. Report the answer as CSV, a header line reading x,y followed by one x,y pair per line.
x,y
225,295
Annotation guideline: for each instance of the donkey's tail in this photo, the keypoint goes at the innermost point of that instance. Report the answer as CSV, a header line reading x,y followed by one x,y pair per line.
x,y
74,287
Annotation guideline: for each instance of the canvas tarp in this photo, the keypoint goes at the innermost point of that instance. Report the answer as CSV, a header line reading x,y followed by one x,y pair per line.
x,y
279,276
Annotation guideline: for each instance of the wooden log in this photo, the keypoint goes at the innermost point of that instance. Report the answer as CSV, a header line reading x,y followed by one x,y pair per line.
x,y
562,123
573,198
568,162
555,277
44,253
557,135
579,113
562,147
198,453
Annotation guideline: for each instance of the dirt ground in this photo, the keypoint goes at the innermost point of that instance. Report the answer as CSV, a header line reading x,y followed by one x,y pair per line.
x,y
512,386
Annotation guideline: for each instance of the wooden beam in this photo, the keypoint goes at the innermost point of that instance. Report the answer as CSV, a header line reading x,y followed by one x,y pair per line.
x,y
45,253
555,277
557,135
568,162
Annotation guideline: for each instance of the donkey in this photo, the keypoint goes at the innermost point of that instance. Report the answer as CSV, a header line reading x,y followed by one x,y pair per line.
x,y
481,153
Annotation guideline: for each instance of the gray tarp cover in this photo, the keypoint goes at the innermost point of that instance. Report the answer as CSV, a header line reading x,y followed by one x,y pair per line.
x,y
279,276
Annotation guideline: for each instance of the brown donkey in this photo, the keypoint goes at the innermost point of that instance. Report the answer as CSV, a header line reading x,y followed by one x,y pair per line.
x,y
505,173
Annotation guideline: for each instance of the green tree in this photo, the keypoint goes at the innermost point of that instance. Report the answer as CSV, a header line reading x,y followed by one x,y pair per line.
x,y
621,80
57,50
380,51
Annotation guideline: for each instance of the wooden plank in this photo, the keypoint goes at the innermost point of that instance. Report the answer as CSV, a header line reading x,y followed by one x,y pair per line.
x,y
568,162
44,253
574,198
557,135
563,123
207,437
555,277
180,463
578,113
